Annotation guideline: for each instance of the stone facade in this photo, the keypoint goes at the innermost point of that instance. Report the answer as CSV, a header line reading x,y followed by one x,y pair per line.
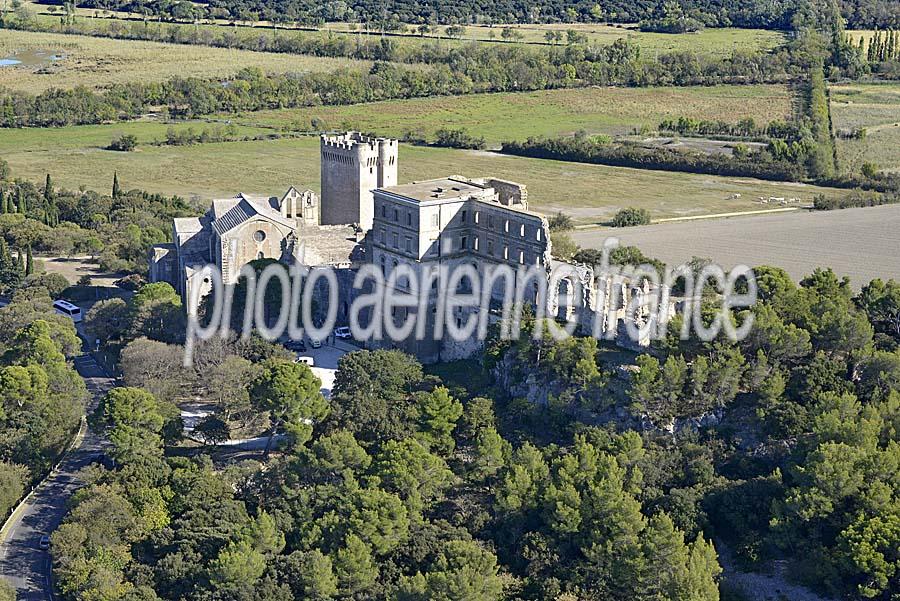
x,y
451,221
444,222
352,166
236,231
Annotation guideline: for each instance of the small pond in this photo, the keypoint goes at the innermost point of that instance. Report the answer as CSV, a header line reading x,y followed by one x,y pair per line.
x,y
30,58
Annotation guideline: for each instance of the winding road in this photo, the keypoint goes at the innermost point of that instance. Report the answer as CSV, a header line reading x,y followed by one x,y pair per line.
x,y
22,562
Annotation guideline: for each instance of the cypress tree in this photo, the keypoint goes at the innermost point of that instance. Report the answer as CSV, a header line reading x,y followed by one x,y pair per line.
x,y
21,261
115,189
20,200
48,189
29,262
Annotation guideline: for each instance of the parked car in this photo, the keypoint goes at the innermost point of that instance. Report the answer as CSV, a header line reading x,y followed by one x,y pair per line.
x,y
44,543
295,345
308,360
315,343
343,333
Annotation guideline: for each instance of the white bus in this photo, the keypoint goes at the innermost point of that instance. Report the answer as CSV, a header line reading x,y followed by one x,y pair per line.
x,y
68,309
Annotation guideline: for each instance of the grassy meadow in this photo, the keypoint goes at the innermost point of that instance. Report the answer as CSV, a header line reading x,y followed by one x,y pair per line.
x,y
500,117
590,193
100,62
875,107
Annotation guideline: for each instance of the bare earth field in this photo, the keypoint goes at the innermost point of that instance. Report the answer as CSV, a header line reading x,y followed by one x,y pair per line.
x,y
860,243
100,62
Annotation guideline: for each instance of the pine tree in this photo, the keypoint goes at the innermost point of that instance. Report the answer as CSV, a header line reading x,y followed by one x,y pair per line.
x,y
115,189
29,262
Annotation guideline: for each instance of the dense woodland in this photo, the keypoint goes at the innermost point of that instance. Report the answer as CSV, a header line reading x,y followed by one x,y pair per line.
x,y
449,484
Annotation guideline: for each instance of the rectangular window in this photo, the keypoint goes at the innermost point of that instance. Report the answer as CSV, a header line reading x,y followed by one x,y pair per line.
x,y
383,237
506,252
477,215
522,257
522,230
475,243
384,211
463,216
463,243
396,215
409,219
491,221
506,225
491,247
408,244
396,240
435,220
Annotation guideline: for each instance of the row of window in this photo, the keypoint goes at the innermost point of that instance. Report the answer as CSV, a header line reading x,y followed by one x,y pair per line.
x,y
462,244
508,225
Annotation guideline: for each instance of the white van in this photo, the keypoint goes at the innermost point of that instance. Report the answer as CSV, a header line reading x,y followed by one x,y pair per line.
x,y
68,309
308,360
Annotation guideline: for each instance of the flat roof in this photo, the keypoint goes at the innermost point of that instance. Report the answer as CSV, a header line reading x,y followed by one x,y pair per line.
x,y
444,188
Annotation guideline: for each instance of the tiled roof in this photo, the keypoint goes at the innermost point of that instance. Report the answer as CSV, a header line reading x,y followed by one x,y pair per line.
x,y
243,210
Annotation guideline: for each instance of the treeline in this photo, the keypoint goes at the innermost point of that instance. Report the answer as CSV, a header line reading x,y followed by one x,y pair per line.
x,y
467,70
858,198
745,128
393,14
761,164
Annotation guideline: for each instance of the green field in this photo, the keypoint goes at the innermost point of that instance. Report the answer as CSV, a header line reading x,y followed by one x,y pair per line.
x,y
100,62
590,193
500,117
719,42
875,107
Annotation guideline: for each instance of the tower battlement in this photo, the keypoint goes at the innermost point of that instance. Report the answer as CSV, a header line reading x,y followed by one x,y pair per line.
x,y
353,165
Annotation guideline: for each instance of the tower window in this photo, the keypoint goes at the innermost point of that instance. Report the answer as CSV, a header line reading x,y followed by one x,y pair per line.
x,y
259,236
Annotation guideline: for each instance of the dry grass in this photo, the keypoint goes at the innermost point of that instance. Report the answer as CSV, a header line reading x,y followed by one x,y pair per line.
x,y
100,62
589,193
875,107
500,117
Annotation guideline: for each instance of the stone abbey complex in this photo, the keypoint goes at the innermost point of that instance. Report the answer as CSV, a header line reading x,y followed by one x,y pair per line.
x,y
364,217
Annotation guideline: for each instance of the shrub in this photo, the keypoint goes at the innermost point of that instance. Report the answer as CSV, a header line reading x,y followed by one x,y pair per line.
x,y
560,222
458,138
630,217
124,143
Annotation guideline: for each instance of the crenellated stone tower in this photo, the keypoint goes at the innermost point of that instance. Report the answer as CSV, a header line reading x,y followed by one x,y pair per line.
x,y
353,165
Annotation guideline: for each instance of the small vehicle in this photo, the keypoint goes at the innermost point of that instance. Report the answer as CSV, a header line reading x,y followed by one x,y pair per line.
x,y
343,333
68,309
307,360
315,343
295,345
44,543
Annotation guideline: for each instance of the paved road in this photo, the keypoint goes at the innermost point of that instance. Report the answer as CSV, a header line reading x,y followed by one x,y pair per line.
x,y
860,243
22,562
